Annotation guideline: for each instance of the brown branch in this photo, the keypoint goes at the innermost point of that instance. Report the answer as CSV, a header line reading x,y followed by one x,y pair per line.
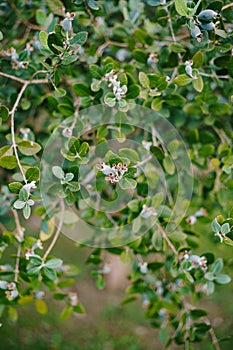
x,y
164,235
59,227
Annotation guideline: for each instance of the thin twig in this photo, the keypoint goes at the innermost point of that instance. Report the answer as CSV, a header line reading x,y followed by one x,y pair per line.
x,y
227,6
142,162
59,227
12,112
213,335
28,82
19,229
170,244
214,75
17,263
13,129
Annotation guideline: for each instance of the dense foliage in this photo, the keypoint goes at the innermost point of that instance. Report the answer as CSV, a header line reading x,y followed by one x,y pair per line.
x,y
115,129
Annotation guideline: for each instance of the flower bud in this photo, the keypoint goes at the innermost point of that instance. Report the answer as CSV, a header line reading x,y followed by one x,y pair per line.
x,y
196,33
207,26
207,15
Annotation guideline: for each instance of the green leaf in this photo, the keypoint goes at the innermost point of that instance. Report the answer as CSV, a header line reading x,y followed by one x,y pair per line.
x,y
198,59
210,287
70,217
130,154
157,152
182,80
84,149
54,43
197,313
12,314
66,313
133,92
127,184
41,307
175,100
157,104
65,109
215,226
29,148
43,36
33,270
41,17
209,276
56,7
49,273
225,228
79,309
140,55
169,165
177,48
144,80
93,4
198,83
53,263
15,187
58,172
217,266
79,39
4,113
96,71
32,174
8,162
26,211
157,199
81,90
19,204
100,282
23,195
223,279
181,7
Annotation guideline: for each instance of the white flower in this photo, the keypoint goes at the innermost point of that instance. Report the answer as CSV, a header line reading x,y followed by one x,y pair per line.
x,y
37,245
106,269
147,212
143,267
191,220
146,145
73,298
67,132
30,186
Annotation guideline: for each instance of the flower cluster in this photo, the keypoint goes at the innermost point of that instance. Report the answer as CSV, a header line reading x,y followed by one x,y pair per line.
x,y
16,64
196,261
114,173
118,90
31,251
10,289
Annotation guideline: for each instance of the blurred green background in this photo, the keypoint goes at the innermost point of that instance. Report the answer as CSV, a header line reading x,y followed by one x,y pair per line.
x,y
107,325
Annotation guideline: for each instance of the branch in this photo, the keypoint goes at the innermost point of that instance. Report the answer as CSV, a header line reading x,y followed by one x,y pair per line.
x,y
170,244
12,112
19,229
213,335
227,6
28,82
59,227
13,129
